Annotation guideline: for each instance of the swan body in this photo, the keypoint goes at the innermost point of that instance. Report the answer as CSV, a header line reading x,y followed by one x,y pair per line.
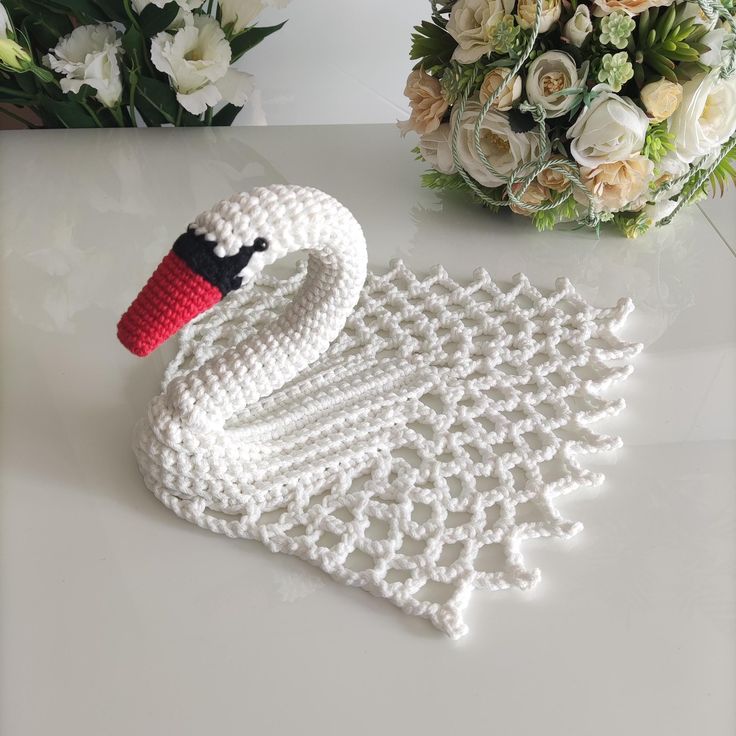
x,y
406,435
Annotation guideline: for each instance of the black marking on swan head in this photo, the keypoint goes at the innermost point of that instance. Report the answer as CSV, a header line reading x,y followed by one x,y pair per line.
x,y
221,271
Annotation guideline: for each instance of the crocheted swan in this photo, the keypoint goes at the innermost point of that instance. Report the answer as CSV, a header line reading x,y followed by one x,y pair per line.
x,y
406,435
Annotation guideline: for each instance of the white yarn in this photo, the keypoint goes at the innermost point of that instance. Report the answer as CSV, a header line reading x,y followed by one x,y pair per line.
x,y
409,450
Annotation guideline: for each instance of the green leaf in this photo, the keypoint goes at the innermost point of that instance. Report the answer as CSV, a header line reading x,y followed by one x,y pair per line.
x,y
113,9
432,45
251,37
665,25
69,113
155,101
43,25
226,115
85,11
135,47
153,20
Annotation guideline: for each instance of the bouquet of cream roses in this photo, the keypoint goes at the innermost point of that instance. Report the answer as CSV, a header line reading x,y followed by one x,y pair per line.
x,y
98,63
577,110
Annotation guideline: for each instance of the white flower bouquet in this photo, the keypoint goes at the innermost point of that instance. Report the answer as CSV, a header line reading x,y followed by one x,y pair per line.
x,y
579,111
99,63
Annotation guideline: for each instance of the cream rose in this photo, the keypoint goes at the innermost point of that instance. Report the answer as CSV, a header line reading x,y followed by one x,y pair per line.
x,y
618,184
661,99
436,149
511,90
632,7
555,180
526,11
549,74
89,55
504,149
706,117
534,195
579,27
426,102
611,128
471,24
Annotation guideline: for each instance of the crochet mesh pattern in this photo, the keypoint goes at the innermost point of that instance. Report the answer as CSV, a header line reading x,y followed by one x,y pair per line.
x,y
420,451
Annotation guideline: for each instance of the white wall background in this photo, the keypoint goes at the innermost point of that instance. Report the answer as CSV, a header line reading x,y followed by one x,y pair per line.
x,y
335,61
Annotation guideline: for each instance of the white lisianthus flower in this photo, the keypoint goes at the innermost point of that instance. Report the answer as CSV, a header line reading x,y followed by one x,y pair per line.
x,y
548,75
504,149
242,13
579,27
89,55
196,59
611,128
436,149
471,24
5,23
183,17
706,117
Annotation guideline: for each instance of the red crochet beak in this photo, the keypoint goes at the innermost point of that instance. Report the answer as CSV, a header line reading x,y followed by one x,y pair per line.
x,y
174,295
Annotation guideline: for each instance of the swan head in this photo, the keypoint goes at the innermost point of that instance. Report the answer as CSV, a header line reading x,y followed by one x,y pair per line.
x,y
212,258
228,245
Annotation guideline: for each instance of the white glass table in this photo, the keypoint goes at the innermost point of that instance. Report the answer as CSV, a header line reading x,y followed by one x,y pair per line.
x,y
118,618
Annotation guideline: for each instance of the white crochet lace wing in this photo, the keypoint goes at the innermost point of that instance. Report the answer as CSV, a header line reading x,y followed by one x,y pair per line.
x,y
417,455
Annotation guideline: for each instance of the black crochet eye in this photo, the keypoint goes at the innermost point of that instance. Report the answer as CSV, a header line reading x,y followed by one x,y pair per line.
x,y
260,244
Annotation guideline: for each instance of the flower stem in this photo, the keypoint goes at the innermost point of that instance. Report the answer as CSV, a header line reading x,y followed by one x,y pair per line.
x,y
208,116
92,114
117,113
177,123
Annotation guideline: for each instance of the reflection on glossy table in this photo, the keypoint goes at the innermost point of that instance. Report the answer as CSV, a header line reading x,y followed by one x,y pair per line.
x,y
118,618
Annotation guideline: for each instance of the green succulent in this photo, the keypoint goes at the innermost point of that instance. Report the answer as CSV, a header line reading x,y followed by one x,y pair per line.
x,y
664,42
504,34
456,79
615,70
616,29
632,224
658,142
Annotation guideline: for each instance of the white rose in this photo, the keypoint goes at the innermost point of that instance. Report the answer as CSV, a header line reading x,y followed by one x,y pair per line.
x,y
526,13
471,24
504,149
197,61
89,55
611,128
5,24
579,27
706,117
242,13
549,74
436,149
714,40
657,211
